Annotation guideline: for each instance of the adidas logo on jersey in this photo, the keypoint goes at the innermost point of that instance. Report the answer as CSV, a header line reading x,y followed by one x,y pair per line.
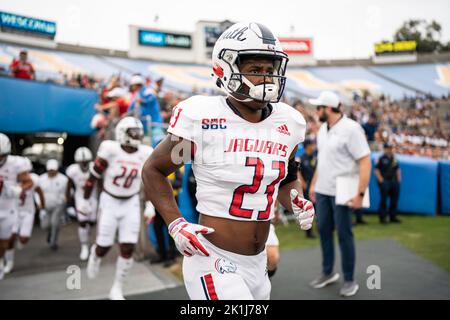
x,y
284,129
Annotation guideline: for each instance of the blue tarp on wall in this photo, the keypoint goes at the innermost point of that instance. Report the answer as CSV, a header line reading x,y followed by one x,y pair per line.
x,y
418,188
30,106
444,181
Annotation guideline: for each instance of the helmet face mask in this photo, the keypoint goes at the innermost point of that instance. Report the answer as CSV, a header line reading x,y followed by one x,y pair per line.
x,y
135,133
267,91
84,165
249,40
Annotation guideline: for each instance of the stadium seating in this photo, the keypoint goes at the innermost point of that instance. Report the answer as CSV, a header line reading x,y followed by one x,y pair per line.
x,y
357,77
429,78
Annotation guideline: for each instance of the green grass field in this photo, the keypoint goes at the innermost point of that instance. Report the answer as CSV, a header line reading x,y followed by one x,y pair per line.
x,y
428,237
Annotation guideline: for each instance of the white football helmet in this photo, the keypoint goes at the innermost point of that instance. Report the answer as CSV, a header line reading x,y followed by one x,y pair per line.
x,y
83,154
5,148
5,144
129,132
248,39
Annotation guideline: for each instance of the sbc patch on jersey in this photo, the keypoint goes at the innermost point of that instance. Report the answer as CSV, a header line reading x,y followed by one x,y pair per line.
x,y
215,123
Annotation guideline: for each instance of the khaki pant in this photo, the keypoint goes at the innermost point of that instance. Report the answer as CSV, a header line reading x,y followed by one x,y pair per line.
x,y
51,223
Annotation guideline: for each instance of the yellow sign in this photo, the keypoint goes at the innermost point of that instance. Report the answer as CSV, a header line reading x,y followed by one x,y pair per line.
x,y
399,46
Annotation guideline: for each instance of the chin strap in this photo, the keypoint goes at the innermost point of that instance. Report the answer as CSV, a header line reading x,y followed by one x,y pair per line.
x,y
273,94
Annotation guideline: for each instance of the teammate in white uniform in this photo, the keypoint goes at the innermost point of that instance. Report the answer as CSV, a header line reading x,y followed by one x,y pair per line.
x,y
14,181
120,164
78,173
243,148
24,221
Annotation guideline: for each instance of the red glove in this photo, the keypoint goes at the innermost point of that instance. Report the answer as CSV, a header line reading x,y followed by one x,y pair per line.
x,y
303,210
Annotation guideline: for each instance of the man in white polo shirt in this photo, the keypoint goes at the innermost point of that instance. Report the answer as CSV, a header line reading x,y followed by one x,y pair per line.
x,y
53,184
342,151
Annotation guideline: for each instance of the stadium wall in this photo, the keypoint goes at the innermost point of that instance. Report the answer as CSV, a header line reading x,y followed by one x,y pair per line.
x,y
31,106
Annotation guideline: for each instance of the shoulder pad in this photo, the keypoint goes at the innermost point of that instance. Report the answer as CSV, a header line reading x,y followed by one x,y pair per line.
x,y
293,113
198,106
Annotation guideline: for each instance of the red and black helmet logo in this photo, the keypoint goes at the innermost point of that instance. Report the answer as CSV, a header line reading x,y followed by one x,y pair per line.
x,y
218,71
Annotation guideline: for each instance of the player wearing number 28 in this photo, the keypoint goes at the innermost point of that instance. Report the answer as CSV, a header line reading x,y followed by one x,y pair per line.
x,y
242,147
119,163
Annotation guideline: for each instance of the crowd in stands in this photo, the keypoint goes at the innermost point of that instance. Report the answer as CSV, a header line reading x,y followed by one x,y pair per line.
x,y
81,81
415,126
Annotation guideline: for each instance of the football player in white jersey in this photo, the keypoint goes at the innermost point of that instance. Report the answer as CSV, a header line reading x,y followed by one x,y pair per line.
x,y
14,180
24,222
78,174
120,164
242,149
